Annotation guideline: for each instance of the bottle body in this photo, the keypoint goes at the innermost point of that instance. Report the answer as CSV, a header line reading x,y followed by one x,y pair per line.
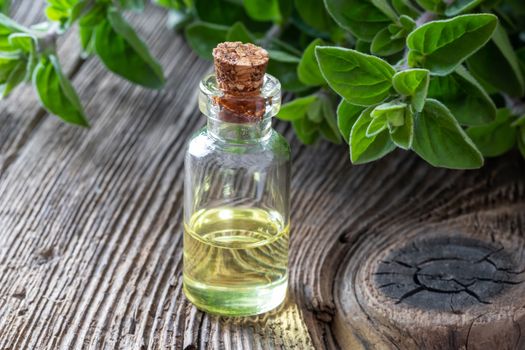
x,y
236,217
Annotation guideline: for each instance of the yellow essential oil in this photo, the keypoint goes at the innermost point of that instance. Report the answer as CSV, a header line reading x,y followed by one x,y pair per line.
x,y
235,260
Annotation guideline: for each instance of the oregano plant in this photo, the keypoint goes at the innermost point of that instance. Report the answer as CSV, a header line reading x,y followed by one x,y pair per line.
x,y
442,78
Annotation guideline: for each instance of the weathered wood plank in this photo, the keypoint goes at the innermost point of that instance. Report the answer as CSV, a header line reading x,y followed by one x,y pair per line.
x,y
90,226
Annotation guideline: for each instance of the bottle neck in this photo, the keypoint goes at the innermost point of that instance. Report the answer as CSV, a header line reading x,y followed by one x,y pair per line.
x,y
245,119
248,132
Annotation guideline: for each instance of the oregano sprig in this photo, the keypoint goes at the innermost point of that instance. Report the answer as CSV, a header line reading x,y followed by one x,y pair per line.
x,y
30,53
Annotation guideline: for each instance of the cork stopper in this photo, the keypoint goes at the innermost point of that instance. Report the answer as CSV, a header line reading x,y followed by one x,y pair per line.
x,y
240,67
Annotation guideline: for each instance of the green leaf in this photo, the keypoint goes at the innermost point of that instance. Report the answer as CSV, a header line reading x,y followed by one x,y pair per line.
x,y
376,126
170,4
361,79
204,37
384,6
407,23
296,109
287,75
413,83
347,115
16,76
497,64
282,56
86,35
328,127
384,44
436,6
94,16
238,32
136,5
363,46
175,4
263,10
405,7
440,46
224,12
8,62
123,53
8,27
57,10
403,135
360,17
461,6
365,149
60,10
22,41
308,69
306,130
315,111
440,140
311,115
313,13
329,134
393,113
520,53
4,6
285,8
219,12
76,12
495,138
56,93
502,41
519,122
465,98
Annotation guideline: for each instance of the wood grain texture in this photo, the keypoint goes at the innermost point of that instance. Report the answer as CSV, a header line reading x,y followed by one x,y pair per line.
x,y
90,228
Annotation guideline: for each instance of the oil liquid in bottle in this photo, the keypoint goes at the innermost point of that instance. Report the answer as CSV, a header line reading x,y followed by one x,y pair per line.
x,y
235,257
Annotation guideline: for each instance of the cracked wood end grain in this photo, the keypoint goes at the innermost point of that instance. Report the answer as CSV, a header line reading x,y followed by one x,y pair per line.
x,y
447,271
458,284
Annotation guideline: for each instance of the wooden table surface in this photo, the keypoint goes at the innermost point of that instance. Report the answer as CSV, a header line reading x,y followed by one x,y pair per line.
x,y
90,231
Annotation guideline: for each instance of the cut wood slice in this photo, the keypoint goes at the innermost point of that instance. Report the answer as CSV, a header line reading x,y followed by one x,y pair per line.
x,y
452,285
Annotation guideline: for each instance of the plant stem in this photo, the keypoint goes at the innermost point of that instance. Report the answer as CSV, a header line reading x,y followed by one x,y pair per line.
x,y
425,17
274,31
515,105
47,41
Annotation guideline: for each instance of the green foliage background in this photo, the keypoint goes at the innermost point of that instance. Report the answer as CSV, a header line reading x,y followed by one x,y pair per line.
x,y
442,78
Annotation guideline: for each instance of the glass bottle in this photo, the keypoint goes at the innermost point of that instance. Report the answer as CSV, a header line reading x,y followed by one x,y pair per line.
x,y
236,205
